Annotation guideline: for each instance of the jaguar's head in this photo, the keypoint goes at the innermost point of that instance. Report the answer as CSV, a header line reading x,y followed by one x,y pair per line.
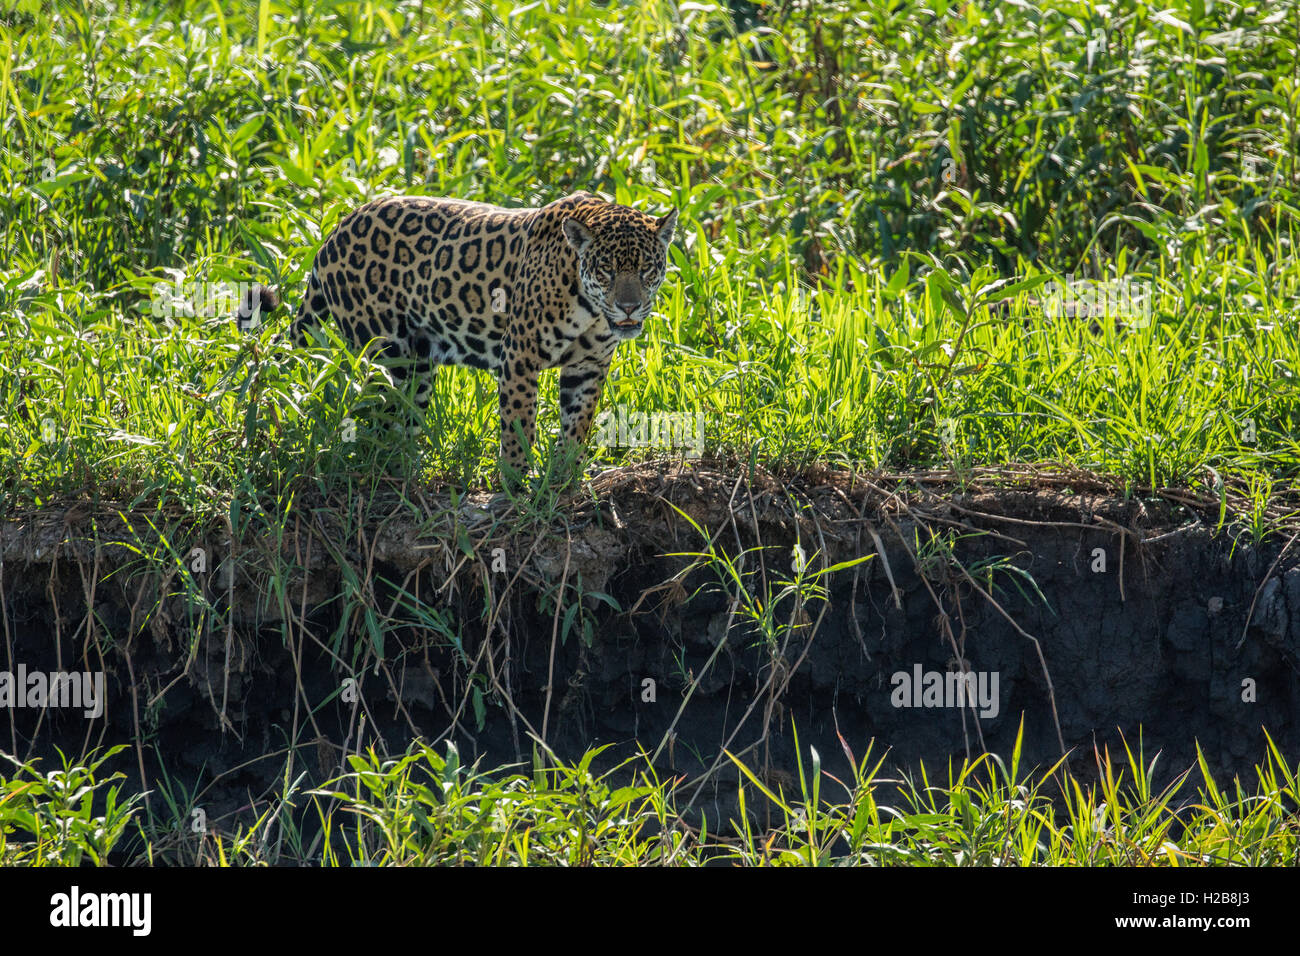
x,y
622,254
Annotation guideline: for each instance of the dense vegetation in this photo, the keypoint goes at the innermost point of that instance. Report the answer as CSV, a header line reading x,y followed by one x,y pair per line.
x,y
427,808
858,183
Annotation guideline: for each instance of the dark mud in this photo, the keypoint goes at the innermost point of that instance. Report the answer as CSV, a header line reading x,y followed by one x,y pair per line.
x,y
1098,616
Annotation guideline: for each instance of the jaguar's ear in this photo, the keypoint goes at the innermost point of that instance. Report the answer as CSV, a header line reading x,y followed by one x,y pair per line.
x,y
666,225
579,236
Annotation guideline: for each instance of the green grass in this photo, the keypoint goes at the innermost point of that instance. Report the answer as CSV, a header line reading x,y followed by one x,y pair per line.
x,y
426,808
829,288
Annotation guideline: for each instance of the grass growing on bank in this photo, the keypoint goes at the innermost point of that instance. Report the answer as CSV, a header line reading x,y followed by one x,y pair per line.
x,y
195,415
426,808
851,192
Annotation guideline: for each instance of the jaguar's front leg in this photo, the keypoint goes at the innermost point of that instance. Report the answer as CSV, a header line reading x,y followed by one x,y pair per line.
x,y
580,386
517,393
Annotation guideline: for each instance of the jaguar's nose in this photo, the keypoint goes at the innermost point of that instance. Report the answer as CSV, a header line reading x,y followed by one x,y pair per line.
x,y
628,307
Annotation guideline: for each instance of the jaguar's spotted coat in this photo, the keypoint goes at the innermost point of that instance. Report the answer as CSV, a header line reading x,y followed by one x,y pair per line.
x,y
514,291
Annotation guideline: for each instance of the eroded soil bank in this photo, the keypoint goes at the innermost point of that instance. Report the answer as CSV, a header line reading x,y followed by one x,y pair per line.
x,y
343,626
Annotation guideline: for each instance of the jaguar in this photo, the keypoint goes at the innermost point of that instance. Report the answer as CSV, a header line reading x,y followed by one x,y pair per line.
x,y
514,291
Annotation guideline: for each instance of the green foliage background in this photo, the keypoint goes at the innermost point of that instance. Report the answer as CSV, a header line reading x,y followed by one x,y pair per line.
x,y
855,180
